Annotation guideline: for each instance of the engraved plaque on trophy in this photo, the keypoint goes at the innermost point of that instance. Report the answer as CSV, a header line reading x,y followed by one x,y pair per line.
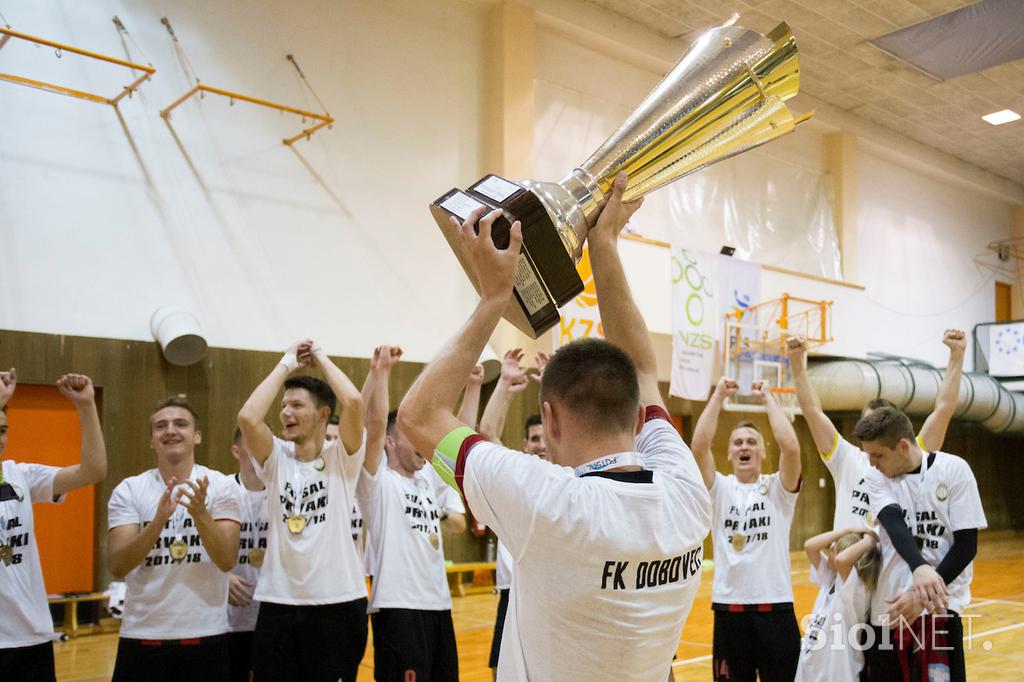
x,y
725,96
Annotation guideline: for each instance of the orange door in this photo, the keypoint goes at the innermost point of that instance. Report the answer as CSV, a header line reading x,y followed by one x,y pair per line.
x,y
44,429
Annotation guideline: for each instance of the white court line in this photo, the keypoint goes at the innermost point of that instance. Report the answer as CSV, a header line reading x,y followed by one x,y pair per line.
x,y
691,660
992,632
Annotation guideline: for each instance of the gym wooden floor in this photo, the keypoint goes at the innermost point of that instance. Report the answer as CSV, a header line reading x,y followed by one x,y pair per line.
x,y
994,635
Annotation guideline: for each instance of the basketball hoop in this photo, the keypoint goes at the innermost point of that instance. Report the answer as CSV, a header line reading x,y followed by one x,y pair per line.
x,y
754,347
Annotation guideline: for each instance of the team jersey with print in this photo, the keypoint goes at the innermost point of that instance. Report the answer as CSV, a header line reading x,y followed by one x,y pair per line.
x,y
849,466
252,550
938,500
166,597
751,540
313,561
358,536
26,617
607,564
829,650
403,524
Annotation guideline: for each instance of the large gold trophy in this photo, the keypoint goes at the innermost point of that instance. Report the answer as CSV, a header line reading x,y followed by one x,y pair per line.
x,y
725,96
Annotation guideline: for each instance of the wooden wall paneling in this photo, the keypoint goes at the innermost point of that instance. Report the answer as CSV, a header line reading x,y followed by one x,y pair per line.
x,y
133,376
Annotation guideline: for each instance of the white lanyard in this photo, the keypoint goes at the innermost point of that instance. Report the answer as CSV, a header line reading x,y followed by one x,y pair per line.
x,y
304,476
251,517
621,459
761,488
178,517
909,502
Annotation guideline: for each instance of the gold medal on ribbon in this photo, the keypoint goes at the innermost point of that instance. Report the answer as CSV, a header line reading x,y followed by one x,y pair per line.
x,y
941,492
739,541
178,550
435,541
296,524
319,463
256,557
6,554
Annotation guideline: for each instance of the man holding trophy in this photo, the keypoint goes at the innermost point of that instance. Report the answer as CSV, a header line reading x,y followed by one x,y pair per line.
x,y
608,543
590,547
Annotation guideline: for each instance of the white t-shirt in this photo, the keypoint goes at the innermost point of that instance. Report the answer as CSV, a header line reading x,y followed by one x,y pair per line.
x,y
320,564
164,598
758,571
503,573
829,651
607,565
936,501
849,466
403,519
24,614
253,536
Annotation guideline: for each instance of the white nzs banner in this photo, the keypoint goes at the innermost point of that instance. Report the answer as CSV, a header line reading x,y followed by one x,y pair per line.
x,y
694,322
705,287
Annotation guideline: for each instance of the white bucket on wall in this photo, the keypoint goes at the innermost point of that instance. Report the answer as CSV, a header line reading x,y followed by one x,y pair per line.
x,y
179,334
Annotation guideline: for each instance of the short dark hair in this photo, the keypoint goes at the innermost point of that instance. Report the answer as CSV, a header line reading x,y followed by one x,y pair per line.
x,y
334,419
176,401
879,403
321,393
236,436
886,425
392,423
596,380
532,420
747,424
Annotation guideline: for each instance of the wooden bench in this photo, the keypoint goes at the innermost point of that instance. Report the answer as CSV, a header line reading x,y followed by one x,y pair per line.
x,y
71,602
456,571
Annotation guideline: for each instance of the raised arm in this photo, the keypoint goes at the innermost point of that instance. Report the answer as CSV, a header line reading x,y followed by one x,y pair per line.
x,y
785,436
470,407
707,424
350,400
259,439
622,321
823,431
8,382
426,414
933,433
92,468
814,546
378,402
848,558
511,381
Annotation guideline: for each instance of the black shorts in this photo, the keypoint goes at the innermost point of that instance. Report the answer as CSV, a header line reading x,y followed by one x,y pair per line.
x,y
414,645
883,662
761,639
309,643
240,654
28,663
499,627
166,660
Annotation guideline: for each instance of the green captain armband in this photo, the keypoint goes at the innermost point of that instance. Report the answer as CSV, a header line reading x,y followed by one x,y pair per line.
x,y
446,454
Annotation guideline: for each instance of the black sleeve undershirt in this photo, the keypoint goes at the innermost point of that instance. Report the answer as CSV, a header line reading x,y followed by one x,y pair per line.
x,y
902,539
961,553
965,546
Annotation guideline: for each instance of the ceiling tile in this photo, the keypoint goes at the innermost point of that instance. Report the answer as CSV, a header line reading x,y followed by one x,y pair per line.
x,y
838,66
